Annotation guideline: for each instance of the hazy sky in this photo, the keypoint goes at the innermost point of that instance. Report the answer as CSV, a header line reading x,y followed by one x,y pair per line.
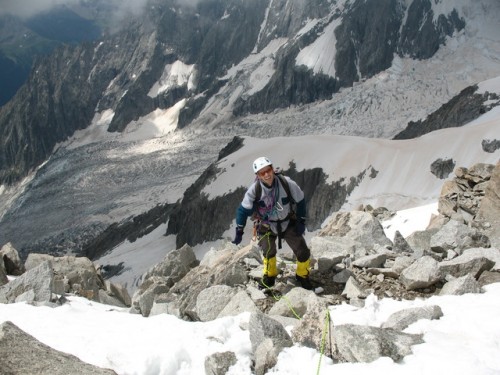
x,y
28,8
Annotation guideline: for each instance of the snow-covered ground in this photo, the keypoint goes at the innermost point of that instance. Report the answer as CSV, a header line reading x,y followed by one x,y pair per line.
x,y
464,341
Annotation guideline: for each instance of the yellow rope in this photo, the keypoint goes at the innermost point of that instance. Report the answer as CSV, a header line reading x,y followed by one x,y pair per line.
x,y
323,339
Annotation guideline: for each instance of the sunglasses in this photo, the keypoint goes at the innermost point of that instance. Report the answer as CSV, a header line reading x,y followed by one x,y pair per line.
x,y
263,172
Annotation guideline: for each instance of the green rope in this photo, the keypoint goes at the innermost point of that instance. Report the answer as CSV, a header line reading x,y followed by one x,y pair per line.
x,y
323,339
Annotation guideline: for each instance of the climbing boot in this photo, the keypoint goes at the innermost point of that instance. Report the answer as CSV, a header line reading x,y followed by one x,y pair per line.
x,y
267,282
302,275
270,273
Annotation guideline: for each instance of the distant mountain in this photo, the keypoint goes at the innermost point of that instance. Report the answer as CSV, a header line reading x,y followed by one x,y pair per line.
x,y
108,138
23,40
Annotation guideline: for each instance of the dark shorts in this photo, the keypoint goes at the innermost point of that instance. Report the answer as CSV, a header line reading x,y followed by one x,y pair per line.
x,y
267,243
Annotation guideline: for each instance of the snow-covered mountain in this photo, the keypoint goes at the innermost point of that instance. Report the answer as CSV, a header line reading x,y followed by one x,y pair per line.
x,y
111,141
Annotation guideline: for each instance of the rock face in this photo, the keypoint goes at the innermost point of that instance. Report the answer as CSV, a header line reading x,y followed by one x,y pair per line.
x,y
21,353
47,279
490,206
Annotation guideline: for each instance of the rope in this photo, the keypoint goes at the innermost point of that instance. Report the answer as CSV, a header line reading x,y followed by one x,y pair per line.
x,y
323,339
276,298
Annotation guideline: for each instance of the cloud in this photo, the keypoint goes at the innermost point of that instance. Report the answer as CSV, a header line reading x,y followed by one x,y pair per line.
x,y
29,8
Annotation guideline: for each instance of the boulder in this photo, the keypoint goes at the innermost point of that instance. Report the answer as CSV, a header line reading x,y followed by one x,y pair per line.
x,y
356,343
422,273
34,286
11,260
402,319
219,363
268,337
461,285
21,353
489,210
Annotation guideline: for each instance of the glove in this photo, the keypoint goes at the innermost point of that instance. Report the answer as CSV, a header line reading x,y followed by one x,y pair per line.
x,y
238,236
300,227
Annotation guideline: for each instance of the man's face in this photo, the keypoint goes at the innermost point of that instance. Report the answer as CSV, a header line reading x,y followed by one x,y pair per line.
x,y
266,175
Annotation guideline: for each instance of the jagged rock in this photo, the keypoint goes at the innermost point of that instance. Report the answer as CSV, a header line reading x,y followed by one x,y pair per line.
x,y
470,263
400,244
240,302
268,337
369,261
461,285
358,226
422,273
228,271
401,263
330,251
442,168
343,276
34,286
21,353
490,145
3,275
78,274
402,319
489,210
211,301
491,253
366,344
219,363
161,277
458,237
145,296
315,328
488,277
292,304
354,290
420,241
175,265
119,292
11,260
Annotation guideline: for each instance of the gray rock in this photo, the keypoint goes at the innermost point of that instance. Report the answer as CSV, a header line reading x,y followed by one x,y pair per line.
x,y
268,337
11,260
21,353
353,289
489,209
37,283
357,226
375,260
211,301
366,344
471,263
219,363
292,304
400,244
77,273
422,273
458,237
461,285
315,328
240,302
402,319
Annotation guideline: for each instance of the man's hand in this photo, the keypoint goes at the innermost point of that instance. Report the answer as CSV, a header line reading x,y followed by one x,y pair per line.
x,y
238,236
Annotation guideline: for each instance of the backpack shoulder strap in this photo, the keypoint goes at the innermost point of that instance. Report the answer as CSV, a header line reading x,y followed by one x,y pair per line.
x,y
284,182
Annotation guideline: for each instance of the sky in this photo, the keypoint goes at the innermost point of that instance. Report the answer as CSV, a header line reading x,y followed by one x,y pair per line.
x,y
30,8
466,340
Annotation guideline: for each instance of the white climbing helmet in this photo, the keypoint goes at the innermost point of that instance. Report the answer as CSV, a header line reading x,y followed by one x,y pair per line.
x,y
260,163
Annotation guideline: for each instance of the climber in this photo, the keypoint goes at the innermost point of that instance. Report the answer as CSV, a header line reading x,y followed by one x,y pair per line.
x,y
277,205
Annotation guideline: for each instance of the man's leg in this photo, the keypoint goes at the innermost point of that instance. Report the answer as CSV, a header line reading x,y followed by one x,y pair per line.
x,y
299,246
267,243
